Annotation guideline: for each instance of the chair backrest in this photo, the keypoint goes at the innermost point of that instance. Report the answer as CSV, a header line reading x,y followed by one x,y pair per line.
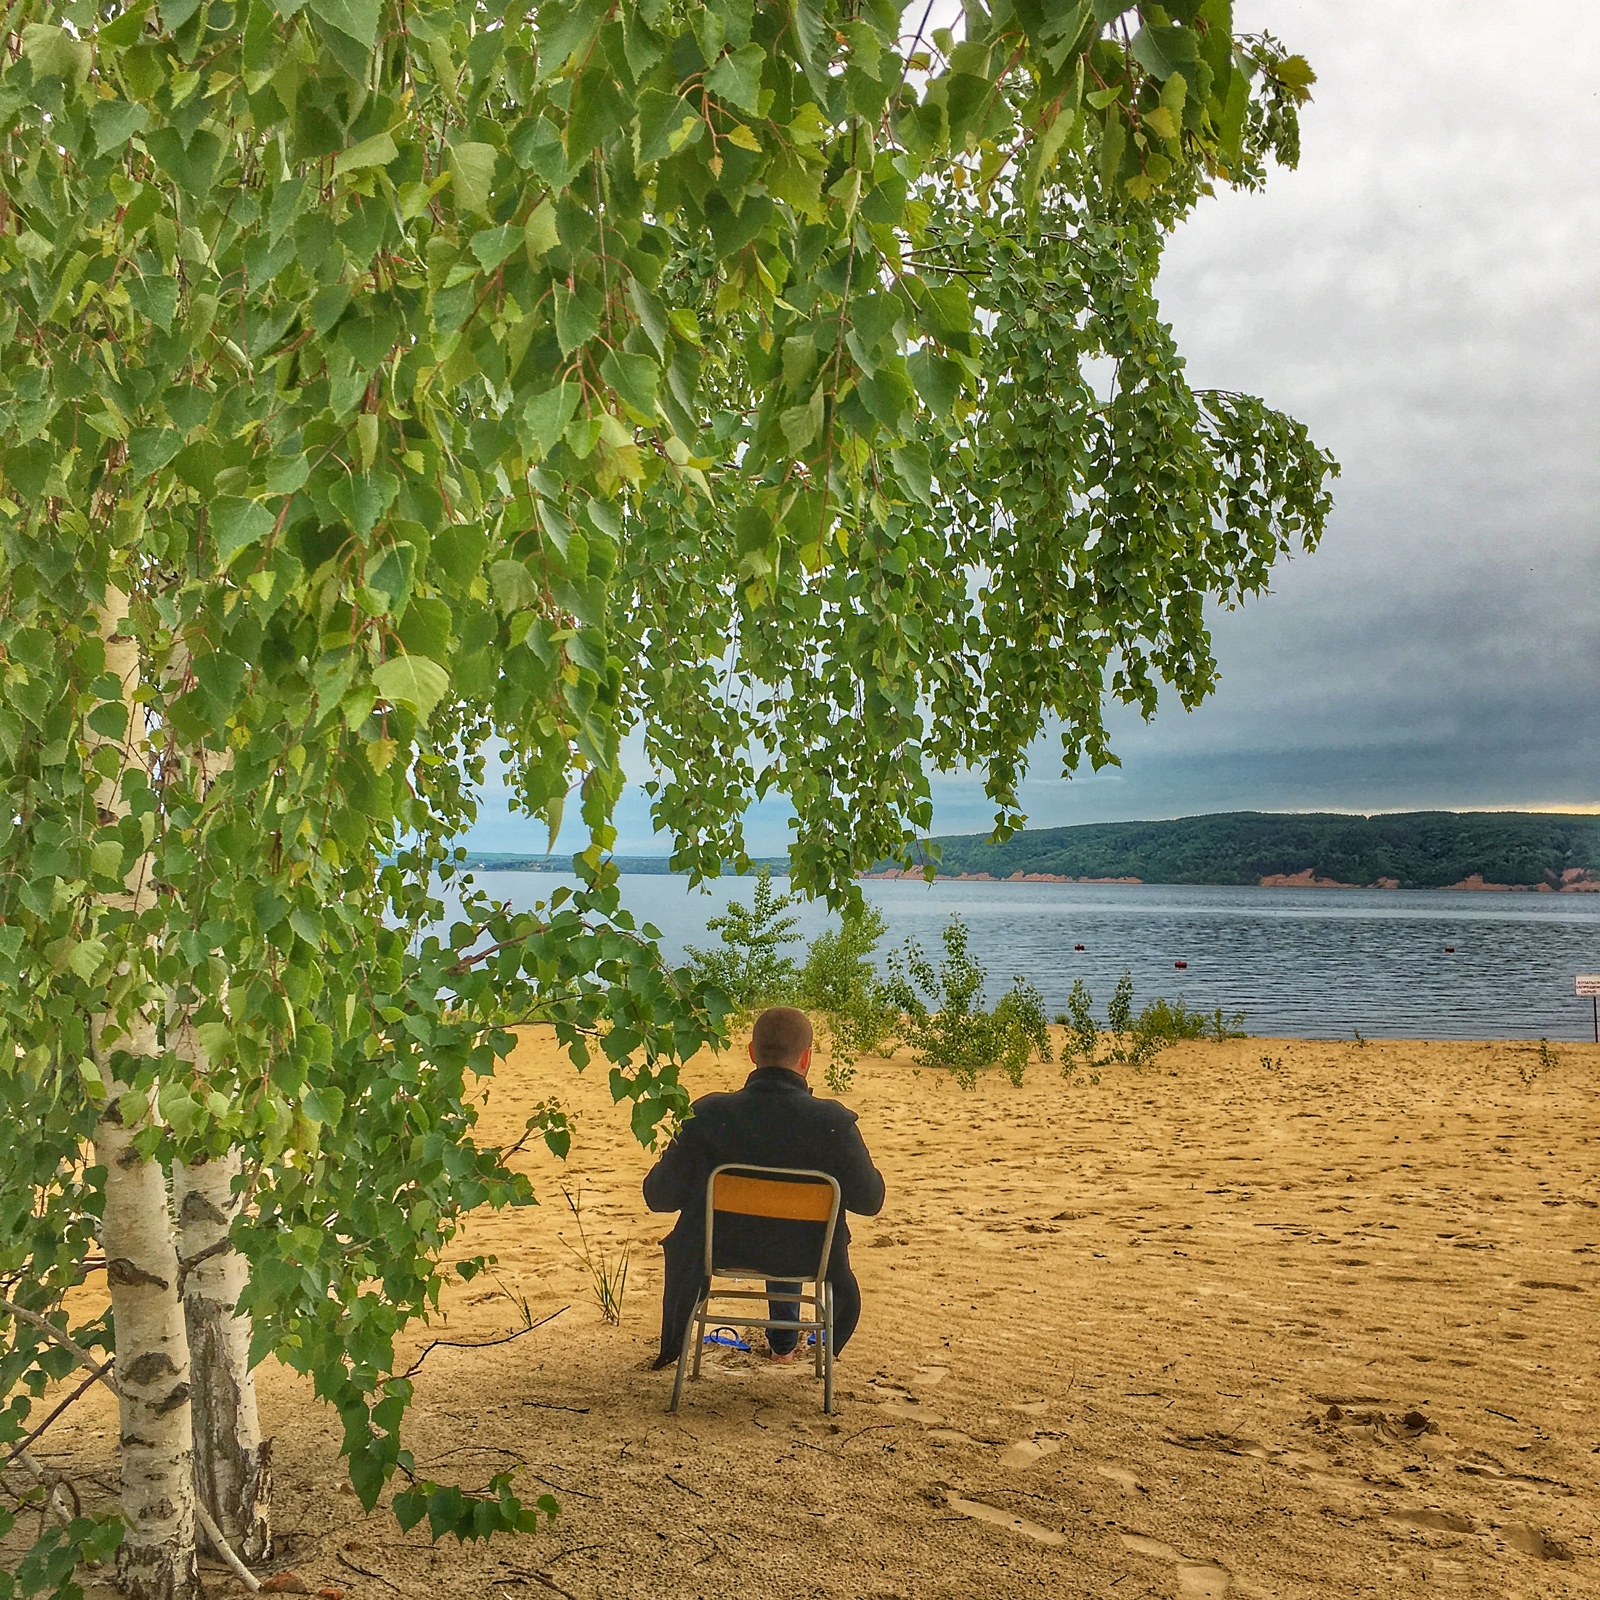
x,y
773,1194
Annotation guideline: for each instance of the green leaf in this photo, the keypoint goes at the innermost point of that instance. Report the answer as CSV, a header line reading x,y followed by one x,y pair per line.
x,y
52,52
539,232
634,378
801,424
737,78
238,524
323,1104
514,588
150,449
576,323
412,681
358,19
1160,120
1149,54
598,111
155,299
665,122
911,462
105,860
191,166
546,415
115,122
378,151
86,957
472,170
493,245
1295,71
938,380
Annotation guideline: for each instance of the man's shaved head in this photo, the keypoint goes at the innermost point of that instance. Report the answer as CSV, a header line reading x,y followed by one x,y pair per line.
x,y
781,1036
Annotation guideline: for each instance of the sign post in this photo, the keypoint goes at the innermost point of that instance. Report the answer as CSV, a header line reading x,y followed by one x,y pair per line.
x,y
1589,984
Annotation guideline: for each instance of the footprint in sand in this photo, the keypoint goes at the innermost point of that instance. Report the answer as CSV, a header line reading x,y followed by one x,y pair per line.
x,y
1432,1520
996,1518
1028,1452
1201,1581
1031,1408
1531,1542
1197,1580
929,1376
1126,1480
912,1410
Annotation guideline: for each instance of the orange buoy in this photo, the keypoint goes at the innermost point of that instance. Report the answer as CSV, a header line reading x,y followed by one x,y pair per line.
x,y
1077,947
1449,949
1182,966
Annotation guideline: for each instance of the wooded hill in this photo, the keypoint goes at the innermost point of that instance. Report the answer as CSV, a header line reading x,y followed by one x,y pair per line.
x,y
1412,850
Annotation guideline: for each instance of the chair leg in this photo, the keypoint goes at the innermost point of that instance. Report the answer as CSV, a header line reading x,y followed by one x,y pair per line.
x,y
683,1361
697,1329
821,1308
827,1356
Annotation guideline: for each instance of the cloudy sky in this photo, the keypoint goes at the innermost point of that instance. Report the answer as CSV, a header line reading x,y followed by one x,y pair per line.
x,y
1422,293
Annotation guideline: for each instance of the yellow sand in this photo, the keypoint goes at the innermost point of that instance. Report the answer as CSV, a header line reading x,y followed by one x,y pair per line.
x,y
1274,1318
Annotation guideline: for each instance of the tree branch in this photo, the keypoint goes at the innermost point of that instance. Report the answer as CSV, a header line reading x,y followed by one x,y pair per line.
x,y
60,1338
77,1394
224,1549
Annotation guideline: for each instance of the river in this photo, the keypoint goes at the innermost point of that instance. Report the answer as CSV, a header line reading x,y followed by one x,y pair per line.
x,y
1309,963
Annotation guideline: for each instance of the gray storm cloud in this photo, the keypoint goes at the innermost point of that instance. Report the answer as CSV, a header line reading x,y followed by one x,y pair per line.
x,y
1421,292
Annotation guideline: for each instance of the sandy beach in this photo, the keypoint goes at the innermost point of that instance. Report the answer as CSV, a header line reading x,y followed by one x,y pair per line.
x,y
1274,1318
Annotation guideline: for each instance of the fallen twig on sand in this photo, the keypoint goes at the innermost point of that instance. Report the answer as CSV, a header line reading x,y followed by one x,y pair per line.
x,y
377,1577
561,1488
478,1344
518,1575
873,1429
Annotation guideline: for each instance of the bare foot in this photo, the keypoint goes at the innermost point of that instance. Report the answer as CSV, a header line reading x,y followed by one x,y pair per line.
x,y
786,1356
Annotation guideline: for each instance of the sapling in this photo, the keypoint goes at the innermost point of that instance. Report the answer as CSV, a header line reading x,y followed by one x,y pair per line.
x,y
949,1028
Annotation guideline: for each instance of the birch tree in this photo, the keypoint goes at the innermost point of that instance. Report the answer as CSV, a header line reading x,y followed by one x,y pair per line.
x,y
435,374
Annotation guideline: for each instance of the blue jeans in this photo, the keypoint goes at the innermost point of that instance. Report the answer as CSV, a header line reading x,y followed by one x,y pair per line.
x,y
846,1312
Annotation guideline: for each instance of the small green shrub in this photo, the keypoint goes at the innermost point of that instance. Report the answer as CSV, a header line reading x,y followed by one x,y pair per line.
x,y
840,986
1134,1041
943,1016
1220,1027
1170,1022
750,968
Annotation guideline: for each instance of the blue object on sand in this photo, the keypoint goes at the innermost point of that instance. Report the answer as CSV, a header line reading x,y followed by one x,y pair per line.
x,y
727,1337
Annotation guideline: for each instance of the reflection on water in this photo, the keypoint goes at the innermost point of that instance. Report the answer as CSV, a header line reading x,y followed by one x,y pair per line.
x,y
1312,963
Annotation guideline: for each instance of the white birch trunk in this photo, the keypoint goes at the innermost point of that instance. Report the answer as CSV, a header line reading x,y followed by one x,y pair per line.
x,y
156,1560
231,1460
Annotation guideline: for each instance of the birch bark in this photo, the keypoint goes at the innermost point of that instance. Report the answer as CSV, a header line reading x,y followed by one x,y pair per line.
x,y
156,1560
231,1460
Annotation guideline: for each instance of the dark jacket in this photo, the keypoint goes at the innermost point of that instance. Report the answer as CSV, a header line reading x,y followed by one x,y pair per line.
x,y
774,1121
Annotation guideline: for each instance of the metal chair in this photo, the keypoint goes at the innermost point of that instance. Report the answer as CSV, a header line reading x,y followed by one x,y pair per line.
x,y
782,1194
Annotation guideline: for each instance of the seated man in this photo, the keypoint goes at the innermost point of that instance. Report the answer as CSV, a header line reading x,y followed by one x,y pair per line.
x,y
772,1122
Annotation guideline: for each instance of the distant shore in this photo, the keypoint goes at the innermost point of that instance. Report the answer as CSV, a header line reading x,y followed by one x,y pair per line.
x,y
1576,882
1549,852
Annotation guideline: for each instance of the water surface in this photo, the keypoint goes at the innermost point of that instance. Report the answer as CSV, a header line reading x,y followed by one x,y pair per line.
x,y
1311,963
